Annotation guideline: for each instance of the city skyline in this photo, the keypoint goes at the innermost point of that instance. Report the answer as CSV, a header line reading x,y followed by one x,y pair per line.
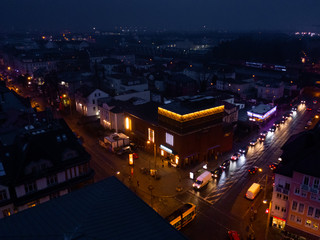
x,y
185,15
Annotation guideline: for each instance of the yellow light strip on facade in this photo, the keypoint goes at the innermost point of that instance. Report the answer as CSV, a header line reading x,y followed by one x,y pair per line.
x,y
190,116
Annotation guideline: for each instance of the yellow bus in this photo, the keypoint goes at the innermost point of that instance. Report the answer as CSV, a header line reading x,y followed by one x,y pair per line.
x,y
182,216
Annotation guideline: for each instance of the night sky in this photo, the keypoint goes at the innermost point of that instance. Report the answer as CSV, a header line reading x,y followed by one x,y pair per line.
x,y
190,15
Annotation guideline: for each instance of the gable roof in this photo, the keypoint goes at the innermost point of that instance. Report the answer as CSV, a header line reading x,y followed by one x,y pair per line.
x,y
104,210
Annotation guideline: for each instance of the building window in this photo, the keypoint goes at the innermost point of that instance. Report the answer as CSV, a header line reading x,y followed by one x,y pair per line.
x,y
315,226
294,206
306,180
51,180
310,211
308,223
298,220
287,186
303,193
128,123
297,191
292,217
301,208
150,135
3,195
317,213
283,209
285,197
93,101
313,196
54,195
30,187
169,139
279,195
316,183
277,207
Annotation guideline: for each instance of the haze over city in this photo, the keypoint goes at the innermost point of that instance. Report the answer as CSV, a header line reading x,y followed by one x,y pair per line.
x,y
187,15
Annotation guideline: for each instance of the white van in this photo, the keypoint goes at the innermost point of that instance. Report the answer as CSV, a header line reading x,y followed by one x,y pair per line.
x,y
253,191
202,180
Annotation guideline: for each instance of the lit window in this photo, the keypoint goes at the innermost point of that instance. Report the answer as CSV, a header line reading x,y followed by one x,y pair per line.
x,y
308,223
128,123
169,139
151,135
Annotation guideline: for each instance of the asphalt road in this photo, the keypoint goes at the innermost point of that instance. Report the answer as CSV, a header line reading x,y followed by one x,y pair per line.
x,y
222,205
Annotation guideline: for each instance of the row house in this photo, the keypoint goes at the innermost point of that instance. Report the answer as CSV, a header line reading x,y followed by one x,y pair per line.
x,y
43,161
295,205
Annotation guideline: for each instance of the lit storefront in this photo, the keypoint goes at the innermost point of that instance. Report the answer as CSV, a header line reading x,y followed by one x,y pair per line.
x,y
278,222
261,113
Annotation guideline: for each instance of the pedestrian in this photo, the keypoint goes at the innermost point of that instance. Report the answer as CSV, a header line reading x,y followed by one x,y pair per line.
x,y
138,183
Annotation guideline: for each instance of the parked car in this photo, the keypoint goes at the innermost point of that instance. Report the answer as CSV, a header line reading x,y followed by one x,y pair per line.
x,y
216,173
254,169
225,165
124,150
253,142
133,146
235,156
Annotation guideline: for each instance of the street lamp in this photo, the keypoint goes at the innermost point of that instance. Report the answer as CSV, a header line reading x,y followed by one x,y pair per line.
x,y
154,154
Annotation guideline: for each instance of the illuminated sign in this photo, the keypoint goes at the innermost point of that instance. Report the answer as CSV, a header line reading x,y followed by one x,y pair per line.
x,y
190,116
168,150
262,117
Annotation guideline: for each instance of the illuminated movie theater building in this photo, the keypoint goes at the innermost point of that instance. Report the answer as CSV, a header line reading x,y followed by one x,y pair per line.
x,y
261,113
192,130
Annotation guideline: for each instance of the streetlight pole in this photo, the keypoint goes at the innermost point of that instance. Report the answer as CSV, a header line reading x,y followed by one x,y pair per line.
x,y
155,154
268,220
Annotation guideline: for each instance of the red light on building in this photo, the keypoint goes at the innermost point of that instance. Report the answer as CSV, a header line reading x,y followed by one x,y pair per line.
x,y
267,210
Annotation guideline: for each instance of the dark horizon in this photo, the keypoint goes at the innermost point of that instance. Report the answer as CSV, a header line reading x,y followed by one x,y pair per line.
x,y
230,15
